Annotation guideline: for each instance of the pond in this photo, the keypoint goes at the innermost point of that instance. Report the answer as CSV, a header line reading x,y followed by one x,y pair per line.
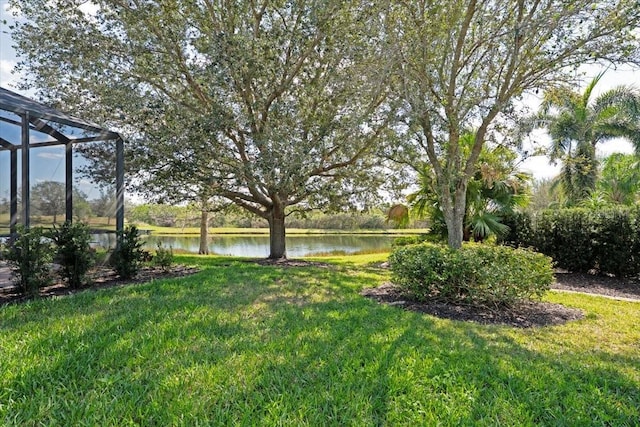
x,y
258,245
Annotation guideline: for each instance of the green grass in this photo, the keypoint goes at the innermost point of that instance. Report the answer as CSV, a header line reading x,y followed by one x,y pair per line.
x,y
241,344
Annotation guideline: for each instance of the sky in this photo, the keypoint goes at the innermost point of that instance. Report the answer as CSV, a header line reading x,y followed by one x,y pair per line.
x,y
48,163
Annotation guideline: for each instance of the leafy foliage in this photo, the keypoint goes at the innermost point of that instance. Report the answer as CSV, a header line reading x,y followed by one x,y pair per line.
x,y
128,255
413,240
49,198
482,275
620,179
29,255
496,189
462,64
163,257
270,107
577,123
582,240
73,251
520,229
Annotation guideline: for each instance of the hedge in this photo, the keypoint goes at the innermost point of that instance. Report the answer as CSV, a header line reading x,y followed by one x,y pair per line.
x,y
582,240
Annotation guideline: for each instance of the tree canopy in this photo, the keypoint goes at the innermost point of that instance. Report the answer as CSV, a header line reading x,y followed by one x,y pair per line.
x,y
49,198
282,102
577,122
462,64
278,101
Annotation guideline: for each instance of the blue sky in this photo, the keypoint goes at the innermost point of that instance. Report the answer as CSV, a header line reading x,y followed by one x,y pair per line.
x,y
48,163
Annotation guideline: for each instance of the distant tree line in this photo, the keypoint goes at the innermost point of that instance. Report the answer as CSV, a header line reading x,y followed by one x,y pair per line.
x,y
48,199
189,216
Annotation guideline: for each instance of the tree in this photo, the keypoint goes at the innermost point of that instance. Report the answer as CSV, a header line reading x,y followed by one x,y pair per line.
x,y
4,205
577,123
281,101
105,205
620,179
496,189
185,175
49,198
462,64
545,194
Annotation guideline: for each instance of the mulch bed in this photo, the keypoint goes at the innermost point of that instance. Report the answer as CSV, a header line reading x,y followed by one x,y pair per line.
x,y
525,315
100,278
614,287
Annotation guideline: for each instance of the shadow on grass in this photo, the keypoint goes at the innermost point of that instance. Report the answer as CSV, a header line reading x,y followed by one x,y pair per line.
x,y
245,344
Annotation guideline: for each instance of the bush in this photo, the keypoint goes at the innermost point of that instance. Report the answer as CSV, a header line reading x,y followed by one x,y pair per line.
x,y
128,255
566,235
479,275
616,242
413,240
520,232
582,240
163,257
29,256
74,253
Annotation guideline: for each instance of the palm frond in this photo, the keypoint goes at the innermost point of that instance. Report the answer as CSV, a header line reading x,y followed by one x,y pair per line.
x,y
486,224
586,95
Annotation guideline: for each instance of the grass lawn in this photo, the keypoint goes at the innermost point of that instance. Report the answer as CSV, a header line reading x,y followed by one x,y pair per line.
x,y
242,344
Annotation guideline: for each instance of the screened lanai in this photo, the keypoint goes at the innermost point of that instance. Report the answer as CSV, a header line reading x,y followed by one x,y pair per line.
x,y
25,125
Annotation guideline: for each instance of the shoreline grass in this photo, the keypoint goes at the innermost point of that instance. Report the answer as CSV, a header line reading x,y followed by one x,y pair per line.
x,y
243,344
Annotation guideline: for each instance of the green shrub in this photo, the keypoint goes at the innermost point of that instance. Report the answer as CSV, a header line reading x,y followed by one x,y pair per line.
x,y
480,275
163,257
29,256
566,235
413,240
74,253
582,240
616,242
520,232
128,256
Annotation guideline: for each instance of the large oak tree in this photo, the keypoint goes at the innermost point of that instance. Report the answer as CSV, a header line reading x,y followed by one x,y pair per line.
x,y
282,99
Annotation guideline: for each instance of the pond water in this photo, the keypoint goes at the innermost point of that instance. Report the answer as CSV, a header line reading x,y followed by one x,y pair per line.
x,y
258,245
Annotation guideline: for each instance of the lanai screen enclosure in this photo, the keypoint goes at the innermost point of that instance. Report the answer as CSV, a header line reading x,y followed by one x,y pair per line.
x,y
27,124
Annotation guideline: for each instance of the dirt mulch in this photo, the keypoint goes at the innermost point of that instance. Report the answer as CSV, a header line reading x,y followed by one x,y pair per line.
x,y
99,278
525,315
621,288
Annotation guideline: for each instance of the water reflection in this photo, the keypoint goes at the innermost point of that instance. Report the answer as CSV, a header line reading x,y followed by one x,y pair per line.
x,y
258,245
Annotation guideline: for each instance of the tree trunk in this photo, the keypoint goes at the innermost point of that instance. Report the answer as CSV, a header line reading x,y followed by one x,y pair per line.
x,y
454,217
277,245
204,233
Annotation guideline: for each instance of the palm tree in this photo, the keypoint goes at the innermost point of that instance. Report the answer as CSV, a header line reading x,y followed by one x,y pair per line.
x,y
577,124
619,181
496,189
